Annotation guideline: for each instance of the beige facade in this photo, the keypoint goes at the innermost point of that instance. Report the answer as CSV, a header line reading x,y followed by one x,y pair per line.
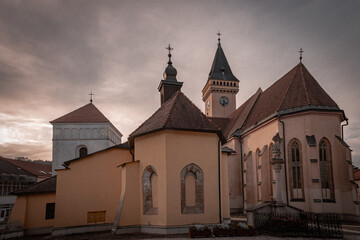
x,y
29,211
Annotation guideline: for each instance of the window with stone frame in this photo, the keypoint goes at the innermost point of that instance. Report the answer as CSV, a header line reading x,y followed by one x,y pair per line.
x,y
271,174
326,173
148,179
296,170
192,174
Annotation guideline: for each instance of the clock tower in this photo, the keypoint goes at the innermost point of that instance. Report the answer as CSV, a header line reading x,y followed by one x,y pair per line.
x,y
219,92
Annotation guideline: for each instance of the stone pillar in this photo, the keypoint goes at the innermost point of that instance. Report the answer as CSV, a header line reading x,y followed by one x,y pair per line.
x,y
277,169
277,162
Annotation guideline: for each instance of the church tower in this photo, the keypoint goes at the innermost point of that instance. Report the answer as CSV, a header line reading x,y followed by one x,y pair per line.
x,y
169,85
219,92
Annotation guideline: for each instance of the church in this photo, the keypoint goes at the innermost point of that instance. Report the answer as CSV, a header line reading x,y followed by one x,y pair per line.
x,y
182,166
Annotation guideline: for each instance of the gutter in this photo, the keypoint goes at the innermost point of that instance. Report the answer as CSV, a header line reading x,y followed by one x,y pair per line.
x,y
286,182
220,214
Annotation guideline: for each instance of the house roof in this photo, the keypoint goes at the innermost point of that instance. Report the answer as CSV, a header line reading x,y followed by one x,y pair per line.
x,y
86,114
177,113
296,91
6,167
40,170
220,69
46,186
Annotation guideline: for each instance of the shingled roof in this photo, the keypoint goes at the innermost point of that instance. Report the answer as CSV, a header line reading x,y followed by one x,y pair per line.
x,y
86,114
46,186
178,113
296,91
39,170
220,69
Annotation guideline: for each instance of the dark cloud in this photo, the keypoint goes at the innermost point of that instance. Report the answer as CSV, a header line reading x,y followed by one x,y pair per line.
x,y
53,53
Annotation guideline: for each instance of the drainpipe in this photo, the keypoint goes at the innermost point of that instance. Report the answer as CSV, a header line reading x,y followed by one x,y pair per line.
x,y
342,128
133,157
219,149
286,182
242,175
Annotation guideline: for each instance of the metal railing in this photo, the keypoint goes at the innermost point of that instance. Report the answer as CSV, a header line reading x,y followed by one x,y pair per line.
x,y
304,224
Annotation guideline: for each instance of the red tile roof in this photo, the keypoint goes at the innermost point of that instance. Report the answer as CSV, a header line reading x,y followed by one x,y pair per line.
x,y
86,114
177,113
40,170
46,186
296,91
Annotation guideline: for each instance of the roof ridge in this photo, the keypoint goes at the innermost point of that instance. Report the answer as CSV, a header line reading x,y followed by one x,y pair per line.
x,y
303,82
212,124
287,89
175,95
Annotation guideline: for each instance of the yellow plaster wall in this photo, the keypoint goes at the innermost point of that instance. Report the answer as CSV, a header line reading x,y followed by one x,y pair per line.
x,y
150,150
18,213
169,151
91,184
130,213
184,148
29,211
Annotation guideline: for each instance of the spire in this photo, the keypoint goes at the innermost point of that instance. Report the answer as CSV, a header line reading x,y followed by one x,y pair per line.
x,y
301,52
170,72
220,69
169,85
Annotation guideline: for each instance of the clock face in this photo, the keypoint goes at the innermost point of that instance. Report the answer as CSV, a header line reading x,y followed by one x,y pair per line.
x,y
208,105
223,101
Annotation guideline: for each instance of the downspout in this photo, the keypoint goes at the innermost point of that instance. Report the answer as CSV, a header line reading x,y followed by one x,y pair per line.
x,y
242,175
286,181
132,154
220,217
342,128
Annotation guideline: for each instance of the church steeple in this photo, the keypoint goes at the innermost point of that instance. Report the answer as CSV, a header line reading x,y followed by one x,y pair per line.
x,y
220,69
219,92
169,85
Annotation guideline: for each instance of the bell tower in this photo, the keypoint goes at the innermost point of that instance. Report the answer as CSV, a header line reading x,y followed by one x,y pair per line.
x,y
219,92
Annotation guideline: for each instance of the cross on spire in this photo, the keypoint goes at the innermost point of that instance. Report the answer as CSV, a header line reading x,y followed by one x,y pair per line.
x,y
169,55
219,34
91,94
301,52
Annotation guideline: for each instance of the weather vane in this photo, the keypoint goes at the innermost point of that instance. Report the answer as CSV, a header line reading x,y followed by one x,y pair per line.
x,y
91,94
219,34
301,52
169,55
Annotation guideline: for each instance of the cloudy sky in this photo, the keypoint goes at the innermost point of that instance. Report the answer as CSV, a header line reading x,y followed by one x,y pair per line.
x,y
53,53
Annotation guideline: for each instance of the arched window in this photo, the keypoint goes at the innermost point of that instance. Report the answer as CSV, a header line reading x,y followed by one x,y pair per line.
x,y
271,175
326,175
258,175
192,189
296,173
83,152
149,181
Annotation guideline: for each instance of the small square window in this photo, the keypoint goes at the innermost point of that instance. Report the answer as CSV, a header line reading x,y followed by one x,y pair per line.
x,y
50,211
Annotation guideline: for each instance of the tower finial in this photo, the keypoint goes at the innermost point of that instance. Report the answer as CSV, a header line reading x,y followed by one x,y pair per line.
x,y
301,52
169,55
219,34
91,94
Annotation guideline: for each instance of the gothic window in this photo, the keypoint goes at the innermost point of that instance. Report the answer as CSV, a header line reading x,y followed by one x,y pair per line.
x,y
258,176
83,152
192,189
326,177
149,181
296,173
271,175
